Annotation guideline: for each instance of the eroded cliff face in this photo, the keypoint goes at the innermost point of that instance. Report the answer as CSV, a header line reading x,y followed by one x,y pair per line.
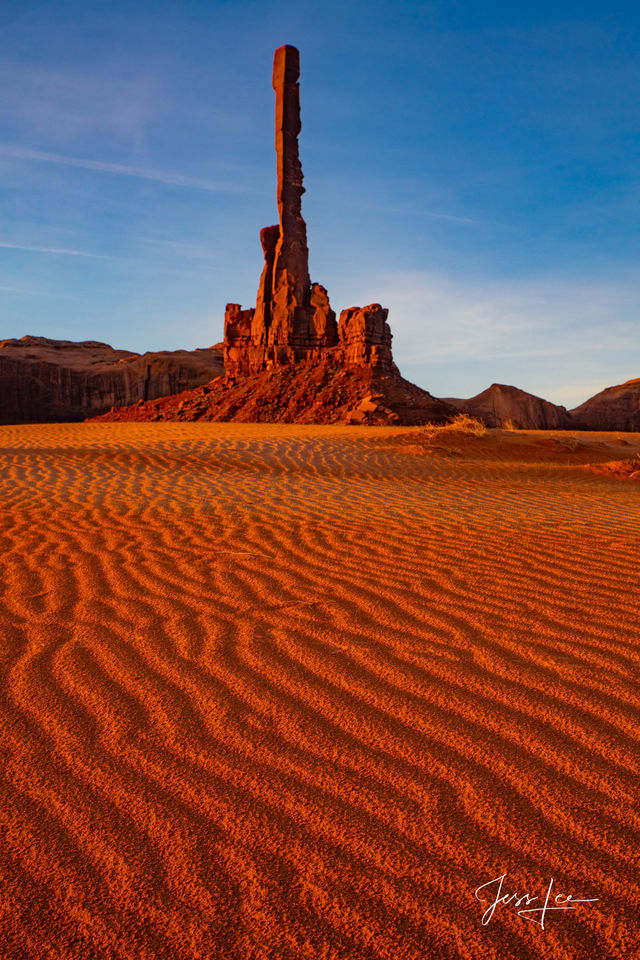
x,y
499,404
43,381
365,339
616,408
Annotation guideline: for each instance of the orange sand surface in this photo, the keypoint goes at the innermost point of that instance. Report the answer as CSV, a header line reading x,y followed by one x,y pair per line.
x,y
296,692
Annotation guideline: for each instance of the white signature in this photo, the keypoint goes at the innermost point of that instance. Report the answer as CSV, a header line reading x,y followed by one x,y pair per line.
x,y
535,914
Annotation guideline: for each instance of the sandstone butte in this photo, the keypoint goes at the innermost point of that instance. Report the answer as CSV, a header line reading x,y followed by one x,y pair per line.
x,y
43,381
616,408
288,359
500,404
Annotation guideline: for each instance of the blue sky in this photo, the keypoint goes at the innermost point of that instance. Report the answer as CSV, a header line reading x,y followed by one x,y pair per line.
x,y
472,166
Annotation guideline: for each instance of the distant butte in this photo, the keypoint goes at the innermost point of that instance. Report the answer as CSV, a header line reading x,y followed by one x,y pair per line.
x,y
500,404
44,381
615,408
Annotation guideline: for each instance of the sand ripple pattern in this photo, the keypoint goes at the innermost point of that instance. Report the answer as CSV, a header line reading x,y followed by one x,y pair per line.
x,y
293,693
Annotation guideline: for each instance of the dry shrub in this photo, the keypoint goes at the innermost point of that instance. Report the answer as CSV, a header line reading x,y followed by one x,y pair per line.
x,y
571,443
461,423
508,425
622,469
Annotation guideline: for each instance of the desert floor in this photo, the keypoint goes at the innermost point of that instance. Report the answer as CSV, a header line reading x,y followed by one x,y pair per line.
x,y
296,692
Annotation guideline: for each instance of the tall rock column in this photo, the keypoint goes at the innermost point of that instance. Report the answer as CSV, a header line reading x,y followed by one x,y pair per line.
x,y
291,284
292,319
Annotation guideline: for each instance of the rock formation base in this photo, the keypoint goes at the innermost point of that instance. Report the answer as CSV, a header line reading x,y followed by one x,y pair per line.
x,y
310,391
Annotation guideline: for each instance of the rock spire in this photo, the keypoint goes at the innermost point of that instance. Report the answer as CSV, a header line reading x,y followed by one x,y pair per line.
x,y
293,319
291,284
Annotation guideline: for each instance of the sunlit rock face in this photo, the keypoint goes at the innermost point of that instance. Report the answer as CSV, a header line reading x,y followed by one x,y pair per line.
x,y
365,338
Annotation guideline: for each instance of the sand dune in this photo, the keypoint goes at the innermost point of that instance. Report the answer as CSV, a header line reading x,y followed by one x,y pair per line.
x,y
296,692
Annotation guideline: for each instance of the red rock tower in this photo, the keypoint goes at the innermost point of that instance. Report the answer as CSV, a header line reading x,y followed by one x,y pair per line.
x,y
291,284
293,319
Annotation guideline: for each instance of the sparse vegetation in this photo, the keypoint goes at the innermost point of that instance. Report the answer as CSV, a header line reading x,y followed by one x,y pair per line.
x,y
461,423
618,469
508,425
571,443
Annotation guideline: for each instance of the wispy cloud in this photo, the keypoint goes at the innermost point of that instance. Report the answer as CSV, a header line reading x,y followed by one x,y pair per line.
x,y
30,248
102,166
38,293
181,248
416,211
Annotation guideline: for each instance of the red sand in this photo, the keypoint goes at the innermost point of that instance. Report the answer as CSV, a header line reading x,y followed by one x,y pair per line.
x,y
278,693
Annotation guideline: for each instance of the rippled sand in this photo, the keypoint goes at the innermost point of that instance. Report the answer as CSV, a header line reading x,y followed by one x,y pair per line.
x,y
295,692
